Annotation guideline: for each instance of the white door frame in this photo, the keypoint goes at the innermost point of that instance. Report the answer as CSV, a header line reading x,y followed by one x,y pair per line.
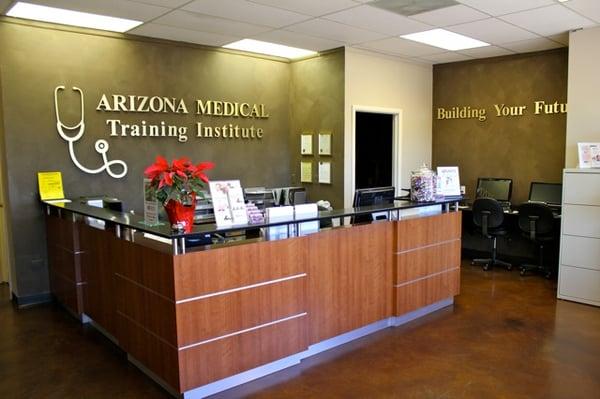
x,y
396,148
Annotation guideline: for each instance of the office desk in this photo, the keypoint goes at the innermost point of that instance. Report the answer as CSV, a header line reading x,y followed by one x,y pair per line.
x,y
514,247
201,320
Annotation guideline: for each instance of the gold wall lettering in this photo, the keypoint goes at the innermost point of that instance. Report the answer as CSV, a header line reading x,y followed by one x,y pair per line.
x,y
170,105
540,107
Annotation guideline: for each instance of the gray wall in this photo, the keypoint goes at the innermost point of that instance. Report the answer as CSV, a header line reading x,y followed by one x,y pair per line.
x,y
35,59
317,105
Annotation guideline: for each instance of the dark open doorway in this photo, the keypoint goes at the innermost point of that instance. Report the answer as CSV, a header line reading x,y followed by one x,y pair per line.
x,y
374,149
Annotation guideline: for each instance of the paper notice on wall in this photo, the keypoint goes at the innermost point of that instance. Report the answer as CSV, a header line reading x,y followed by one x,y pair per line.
x,y
589,155
50,185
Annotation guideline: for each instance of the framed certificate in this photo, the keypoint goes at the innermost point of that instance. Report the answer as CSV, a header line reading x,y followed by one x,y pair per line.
x,y
325,172
324,143
306,144
306,172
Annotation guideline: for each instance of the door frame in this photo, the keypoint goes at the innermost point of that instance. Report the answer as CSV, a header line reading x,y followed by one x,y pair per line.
x,y
396,148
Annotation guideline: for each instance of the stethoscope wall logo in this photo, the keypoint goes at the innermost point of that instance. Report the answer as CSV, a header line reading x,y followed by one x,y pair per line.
x,y
76,133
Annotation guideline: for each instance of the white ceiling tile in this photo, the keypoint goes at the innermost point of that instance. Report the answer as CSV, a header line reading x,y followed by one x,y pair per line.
x,y
588,8
164,3
450,16
397,46
335,31
446,57
532,45
182,35
549,20
378,20
298,40
314,8
205,23
485,52
112,8
501,7
493,31
245,11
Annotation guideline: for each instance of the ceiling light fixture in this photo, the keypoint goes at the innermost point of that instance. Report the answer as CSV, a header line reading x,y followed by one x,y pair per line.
x,y
279,50
445,39
69,17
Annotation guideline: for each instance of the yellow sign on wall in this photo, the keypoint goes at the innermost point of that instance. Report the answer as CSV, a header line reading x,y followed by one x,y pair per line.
x,y
50,185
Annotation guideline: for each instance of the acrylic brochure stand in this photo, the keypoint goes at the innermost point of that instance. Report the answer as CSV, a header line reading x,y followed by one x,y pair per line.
x,y
228,202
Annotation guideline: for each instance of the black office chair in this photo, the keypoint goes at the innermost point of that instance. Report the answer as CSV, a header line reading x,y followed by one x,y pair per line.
x,y
488,217
536,222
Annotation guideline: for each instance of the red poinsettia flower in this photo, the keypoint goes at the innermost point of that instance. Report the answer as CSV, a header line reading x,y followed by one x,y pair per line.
x,y
181,178
202,167
157,168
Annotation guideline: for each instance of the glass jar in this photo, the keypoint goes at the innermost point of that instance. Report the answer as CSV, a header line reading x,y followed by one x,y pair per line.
x,y
422,185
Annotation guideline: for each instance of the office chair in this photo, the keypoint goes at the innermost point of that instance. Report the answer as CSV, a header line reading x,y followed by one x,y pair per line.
x,y
488,217
536,221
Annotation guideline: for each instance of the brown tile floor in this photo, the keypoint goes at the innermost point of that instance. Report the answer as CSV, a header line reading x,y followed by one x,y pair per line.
x,y
506,337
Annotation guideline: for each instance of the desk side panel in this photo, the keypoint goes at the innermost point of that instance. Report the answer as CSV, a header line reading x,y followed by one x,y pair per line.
x,y
64,263
427,261
350,275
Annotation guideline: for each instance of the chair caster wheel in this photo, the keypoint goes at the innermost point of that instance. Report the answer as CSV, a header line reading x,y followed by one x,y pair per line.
x,y
486,267
522,272
472,263
548,276
509,268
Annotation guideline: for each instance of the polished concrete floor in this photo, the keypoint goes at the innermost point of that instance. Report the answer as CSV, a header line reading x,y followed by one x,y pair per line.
x,y
506,337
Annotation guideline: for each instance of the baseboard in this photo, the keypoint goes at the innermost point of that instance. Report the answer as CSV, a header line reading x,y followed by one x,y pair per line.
x,y
26,301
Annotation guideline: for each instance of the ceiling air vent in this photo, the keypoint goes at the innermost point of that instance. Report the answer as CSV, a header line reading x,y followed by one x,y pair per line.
x,y
412,7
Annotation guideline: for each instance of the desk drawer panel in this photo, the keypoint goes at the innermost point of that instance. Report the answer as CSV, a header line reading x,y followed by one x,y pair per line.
x,y
231,355
582,188
580,251
581,220
580,283
428,230
419,263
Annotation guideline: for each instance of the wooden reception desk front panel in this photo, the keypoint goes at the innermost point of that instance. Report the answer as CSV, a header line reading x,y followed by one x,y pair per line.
x,y
196,318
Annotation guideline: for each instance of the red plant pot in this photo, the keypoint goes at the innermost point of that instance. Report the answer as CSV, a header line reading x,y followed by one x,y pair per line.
x,y
181,215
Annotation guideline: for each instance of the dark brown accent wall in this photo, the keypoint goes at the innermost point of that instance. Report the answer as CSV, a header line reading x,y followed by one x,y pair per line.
x,y
525,148
38,57
317,105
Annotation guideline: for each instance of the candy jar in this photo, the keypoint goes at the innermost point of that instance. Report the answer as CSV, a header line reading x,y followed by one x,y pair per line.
x,y
422,185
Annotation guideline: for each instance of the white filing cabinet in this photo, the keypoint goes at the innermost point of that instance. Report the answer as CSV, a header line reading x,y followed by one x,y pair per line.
x,y
579,271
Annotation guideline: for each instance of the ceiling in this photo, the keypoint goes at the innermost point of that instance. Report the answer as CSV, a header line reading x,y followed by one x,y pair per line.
x,y
511,26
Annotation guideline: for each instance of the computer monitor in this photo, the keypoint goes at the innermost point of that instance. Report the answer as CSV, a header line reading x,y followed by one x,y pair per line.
x,y
493,187
374,196
547,193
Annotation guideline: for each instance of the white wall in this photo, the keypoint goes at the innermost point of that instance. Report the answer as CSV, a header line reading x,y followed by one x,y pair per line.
x,y
583,120
374,80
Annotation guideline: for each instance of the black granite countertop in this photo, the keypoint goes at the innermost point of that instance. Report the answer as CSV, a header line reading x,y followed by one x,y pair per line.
x,y
134,221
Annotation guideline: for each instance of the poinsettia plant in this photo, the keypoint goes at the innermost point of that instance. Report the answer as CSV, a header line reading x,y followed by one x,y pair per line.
x,y
176,181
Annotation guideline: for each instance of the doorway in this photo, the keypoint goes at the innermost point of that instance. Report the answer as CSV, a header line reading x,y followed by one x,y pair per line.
x,y
375,149
374,138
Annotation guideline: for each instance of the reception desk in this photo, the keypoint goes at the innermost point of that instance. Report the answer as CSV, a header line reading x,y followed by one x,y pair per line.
x,y
202,320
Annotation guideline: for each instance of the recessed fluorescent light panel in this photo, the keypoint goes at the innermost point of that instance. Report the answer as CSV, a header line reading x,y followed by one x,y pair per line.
x,y
279,50
68,17
445,39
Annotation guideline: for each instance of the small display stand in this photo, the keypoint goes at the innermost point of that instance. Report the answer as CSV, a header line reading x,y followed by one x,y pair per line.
x,y
228,202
